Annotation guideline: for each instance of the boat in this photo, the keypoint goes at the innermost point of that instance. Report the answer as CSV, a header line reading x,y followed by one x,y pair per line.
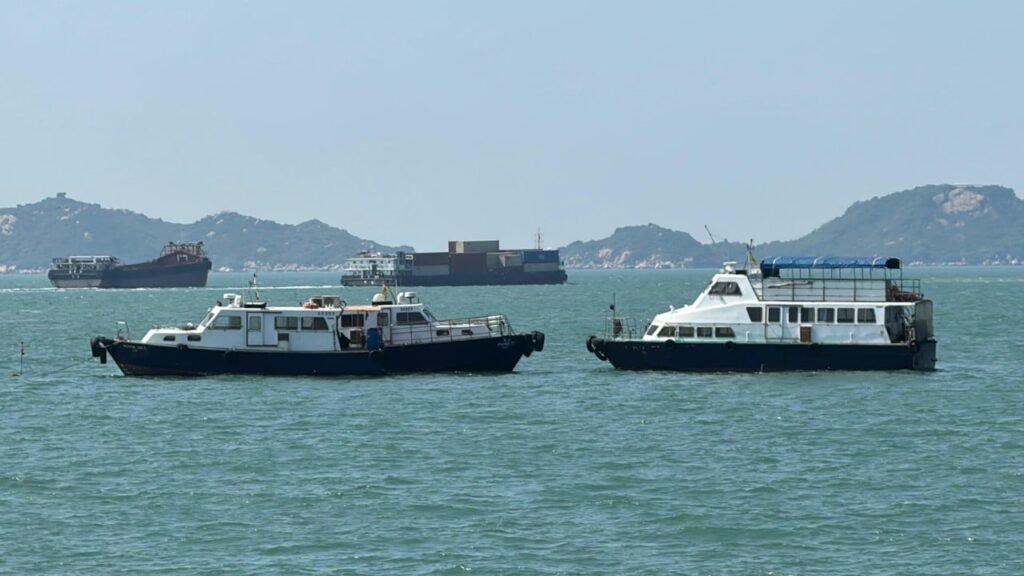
x,y
180,264
785,313
323,336
466,263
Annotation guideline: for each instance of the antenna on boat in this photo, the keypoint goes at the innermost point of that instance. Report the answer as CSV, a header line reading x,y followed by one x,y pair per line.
x,y
255,288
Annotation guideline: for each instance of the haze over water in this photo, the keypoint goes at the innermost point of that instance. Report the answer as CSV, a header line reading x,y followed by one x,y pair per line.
x,y
565,466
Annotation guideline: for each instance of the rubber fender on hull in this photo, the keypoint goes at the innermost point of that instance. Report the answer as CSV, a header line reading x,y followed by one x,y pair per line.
x,y
595,346
538,341
99,349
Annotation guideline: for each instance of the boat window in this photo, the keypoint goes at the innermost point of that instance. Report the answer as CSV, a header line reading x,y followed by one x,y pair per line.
x,y
410,318
686,331
755,313
844,315
704,332
207,319
314,323
794,314
286,322
442,333
806,315
866,315
382,319
667,332
724,332
352,320
725,289
255,323
774,314
194,338
169,338
227,322
652,329
827,315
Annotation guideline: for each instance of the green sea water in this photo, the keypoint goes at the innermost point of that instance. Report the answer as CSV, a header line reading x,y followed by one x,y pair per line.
x,y
565,466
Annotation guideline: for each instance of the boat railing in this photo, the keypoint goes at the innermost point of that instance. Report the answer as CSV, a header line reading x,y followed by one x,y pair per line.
x,y
620,328
840,290
452,329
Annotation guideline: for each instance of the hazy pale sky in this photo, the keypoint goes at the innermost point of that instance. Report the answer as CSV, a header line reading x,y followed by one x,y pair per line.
x,y
423,122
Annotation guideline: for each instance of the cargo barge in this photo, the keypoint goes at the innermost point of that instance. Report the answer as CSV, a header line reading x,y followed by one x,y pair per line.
x,y
180,265
466,263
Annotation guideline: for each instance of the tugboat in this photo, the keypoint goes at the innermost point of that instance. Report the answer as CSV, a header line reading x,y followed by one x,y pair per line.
x,y
180,265
323,336
787,313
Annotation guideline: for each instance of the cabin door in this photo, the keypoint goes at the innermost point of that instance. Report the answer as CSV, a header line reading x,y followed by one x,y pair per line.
x,y
254,329
773,327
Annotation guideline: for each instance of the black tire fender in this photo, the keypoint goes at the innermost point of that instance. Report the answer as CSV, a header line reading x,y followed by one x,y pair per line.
x,y
730,346
538,341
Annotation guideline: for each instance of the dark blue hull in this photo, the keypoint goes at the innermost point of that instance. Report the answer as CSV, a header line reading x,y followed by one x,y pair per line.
x,y
737,357
499,354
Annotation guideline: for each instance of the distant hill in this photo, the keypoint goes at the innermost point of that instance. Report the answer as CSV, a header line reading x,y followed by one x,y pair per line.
x,y
649,246
32,234
938,224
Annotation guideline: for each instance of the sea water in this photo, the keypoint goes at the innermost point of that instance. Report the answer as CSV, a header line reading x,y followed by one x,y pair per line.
x,y
565,466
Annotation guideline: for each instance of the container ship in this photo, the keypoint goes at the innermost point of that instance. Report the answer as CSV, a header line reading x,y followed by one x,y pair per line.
x,y
466,263
180,264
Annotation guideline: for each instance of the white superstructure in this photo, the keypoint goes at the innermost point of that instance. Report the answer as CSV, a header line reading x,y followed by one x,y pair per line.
x,y
824,303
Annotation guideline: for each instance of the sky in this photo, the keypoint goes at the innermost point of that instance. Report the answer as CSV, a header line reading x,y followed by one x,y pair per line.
x,y
421,122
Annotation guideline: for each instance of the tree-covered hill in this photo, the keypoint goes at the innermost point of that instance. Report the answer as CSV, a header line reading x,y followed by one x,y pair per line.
x,y
938,224
32,234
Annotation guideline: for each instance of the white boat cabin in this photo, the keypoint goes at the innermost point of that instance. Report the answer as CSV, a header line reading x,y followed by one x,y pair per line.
x,y
827,301
323,324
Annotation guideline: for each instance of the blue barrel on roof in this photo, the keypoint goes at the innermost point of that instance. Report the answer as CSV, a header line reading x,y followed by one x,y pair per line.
x,y
539,256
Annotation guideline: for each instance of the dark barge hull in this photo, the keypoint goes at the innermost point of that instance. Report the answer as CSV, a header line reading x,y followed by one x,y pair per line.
x,y
739,357
481,279
498,354
192,274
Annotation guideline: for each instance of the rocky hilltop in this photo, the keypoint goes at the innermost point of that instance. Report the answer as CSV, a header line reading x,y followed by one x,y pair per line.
x,y
938,224
32,234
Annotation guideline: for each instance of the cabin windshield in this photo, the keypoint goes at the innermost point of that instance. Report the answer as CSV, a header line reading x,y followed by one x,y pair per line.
x,y
725,289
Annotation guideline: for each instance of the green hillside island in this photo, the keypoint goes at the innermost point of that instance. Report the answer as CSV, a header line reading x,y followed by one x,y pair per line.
x,y
31,235
937,224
